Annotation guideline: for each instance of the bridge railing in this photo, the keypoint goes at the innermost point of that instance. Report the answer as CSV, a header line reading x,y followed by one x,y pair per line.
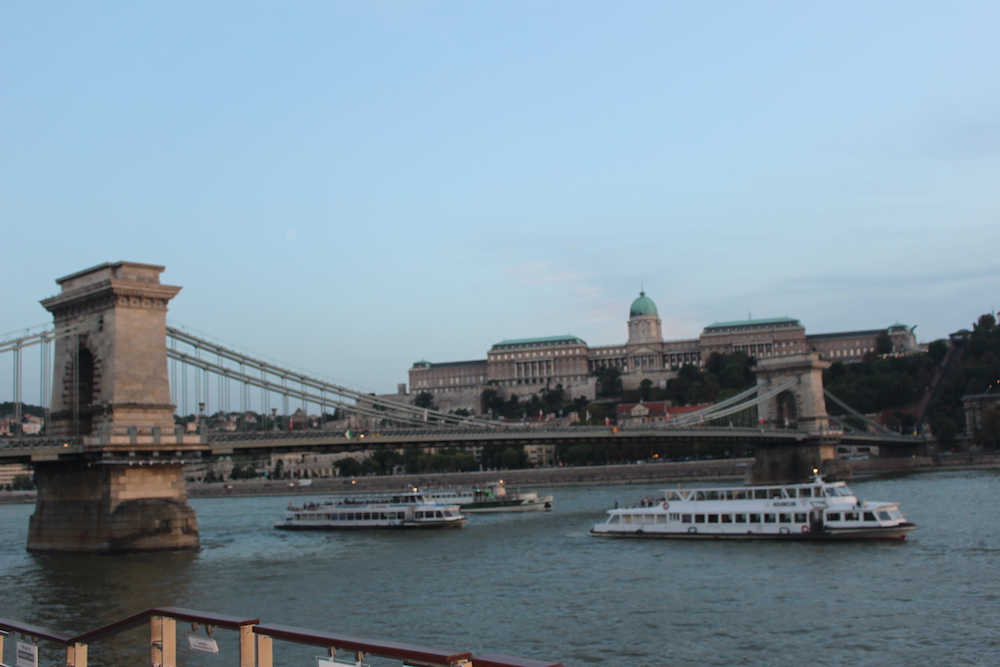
x,y
255,642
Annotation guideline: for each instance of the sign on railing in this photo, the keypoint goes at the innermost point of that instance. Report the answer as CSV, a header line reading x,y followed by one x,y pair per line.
x,y
27,655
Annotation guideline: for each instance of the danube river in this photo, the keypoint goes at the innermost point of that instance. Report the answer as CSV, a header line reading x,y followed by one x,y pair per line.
x,y
539,586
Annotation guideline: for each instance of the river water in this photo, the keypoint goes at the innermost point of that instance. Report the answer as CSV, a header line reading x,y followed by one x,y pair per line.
x,y
537,585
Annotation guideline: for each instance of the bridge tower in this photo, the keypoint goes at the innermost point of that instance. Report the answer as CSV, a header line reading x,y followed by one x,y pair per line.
x,y
122,489
801,407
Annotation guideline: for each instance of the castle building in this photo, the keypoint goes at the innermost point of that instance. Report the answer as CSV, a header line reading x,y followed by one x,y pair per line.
x,y
529,365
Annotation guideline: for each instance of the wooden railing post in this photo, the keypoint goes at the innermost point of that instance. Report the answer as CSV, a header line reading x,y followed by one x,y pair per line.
x,y
264,655
248,654
169,642
76,655
162,641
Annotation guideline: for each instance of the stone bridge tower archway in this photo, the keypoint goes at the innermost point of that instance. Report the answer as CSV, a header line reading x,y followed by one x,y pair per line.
x,y
803,406
111,372
123,489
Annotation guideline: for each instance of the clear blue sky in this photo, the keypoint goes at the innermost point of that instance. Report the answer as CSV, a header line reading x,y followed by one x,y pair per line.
x,y
350,187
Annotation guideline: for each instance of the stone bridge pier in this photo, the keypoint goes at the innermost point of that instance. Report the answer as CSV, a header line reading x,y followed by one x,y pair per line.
x,y
125,490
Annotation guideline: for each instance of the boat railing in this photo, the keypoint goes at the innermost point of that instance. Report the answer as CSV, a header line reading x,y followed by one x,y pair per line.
x,y
255,641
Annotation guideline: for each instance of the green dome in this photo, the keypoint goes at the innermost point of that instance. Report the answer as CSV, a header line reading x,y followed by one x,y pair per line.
x,y
643,306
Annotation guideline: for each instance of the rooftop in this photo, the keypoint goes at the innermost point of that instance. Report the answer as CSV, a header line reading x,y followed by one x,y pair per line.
x,y
568,339
774,321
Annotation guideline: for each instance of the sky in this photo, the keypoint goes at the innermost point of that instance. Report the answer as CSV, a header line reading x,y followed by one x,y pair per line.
x,y
347,188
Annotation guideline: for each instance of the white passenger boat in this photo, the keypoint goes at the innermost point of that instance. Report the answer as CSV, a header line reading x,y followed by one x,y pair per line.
x,y
492,497
401,510
816,510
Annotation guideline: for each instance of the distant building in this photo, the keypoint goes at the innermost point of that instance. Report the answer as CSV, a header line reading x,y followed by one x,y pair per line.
x,y
10,471
540,456
453,384
651,413
976,406
528,365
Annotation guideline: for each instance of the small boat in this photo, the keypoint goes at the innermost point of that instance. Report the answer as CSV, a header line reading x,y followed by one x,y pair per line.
x,y
816,510
492,497
401,510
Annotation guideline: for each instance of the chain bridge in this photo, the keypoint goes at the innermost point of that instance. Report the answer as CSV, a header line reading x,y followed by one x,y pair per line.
x,y
108,465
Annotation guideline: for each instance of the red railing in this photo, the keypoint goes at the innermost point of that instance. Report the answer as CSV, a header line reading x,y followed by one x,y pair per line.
x,y
255,641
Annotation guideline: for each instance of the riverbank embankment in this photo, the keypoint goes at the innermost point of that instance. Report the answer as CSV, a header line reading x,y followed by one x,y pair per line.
x,y
732,470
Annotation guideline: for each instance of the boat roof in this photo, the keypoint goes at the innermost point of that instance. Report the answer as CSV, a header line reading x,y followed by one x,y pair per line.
x,y
817,480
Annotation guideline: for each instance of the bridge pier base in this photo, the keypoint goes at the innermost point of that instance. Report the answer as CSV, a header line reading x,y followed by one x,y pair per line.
x,y
111,509
792,464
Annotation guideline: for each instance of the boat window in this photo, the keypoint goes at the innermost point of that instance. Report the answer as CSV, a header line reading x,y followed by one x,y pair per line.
x,y
685,518
769,518
760,494
673,495
844,491
661,518
685,495
884,516
833,516
626,518
699,518
775,493
615,518
713,518
800,517
850,516
784,518
674,516
741,494
869,516
699,495
831,492
754,518
791,493
711,495
726,518
740,518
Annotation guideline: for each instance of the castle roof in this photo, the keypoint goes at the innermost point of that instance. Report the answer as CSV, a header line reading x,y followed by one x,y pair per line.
x,y
643,305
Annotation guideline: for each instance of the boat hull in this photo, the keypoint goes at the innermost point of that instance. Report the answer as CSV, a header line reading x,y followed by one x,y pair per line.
x,y
538,505
344,526
876,533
